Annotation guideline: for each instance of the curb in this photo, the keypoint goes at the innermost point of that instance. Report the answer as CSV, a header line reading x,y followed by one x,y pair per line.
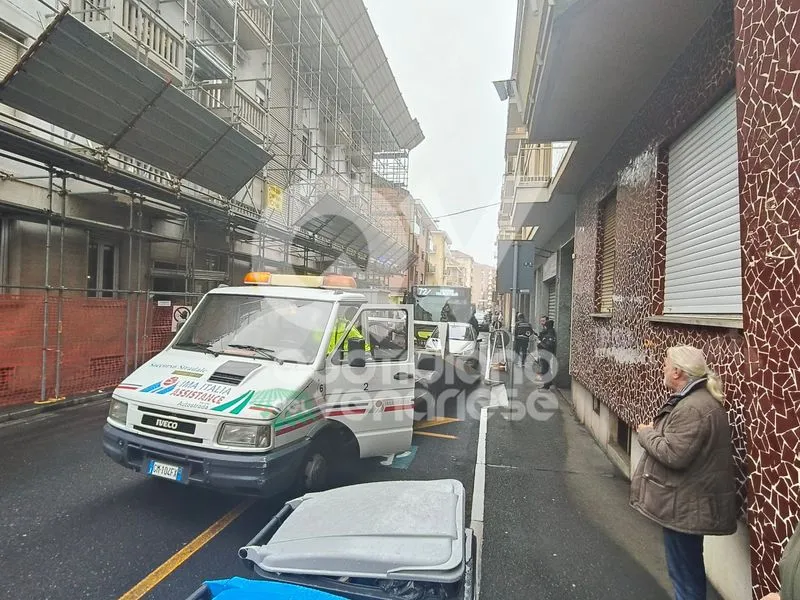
x,y
27,410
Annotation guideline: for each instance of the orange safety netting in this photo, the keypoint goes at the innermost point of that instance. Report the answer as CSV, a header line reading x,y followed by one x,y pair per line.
x,y
90,347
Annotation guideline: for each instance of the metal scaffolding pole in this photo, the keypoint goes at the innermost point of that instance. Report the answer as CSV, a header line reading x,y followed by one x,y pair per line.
x,y
59,350
128,295
138,287
43,394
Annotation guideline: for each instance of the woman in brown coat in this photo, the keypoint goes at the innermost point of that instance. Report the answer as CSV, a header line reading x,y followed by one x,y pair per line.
x,y
685,480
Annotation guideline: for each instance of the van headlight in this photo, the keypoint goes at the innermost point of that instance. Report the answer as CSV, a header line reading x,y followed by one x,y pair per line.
x,y
118,411
245,436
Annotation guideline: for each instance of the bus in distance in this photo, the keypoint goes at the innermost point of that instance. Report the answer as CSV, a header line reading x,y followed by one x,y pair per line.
x,y
436,303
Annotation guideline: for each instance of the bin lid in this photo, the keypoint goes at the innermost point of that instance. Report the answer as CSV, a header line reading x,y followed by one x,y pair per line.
x,y
410,530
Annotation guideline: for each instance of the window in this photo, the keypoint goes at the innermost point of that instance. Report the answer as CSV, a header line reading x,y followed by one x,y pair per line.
x,y
102,270
384,331
623,436
457,332
703,255
552,299
285,329
607,253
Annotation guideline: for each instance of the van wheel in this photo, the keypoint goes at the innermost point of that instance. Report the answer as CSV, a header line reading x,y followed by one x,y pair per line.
x,y
315,474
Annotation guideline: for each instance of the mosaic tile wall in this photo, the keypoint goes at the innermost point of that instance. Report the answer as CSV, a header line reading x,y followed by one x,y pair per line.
x,y
767,52
619,359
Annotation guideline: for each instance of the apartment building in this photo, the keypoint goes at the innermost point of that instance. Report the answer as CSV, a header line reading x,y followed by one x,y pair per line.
x,y
154,150
669,221
438,258
460,269
483,282
424,226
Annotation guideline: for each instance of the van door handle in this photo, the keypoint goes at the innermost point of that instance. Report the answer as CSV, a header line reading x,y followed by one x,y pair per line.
x,y
403,376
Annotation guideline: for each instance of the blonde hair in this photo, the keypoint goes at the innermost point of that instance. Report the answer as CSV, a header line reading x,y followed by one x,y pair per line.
x,y
692,361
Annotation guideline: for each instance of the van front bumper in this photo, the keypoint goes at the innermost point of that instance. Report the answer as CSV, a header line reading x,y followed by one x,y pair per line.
x,y
263,474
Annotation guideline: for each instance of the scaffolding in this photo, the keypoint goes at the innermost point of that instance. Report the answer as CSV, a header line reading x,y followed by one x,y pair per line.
x,y
279,73
121,242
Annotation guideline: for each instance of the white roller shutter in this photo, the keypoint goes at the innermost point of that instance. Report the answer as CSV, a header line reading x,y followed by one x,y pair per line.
x,y
9,54
552,299
608,256
703,261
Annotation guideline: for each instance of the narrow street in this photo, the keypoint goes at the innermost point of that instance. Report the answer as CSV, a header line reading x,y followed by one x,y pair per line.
x,y
77,525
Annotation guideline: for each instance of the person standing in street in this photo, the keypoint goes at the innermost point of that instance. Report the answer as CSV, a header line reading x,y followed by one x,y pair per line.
x,y
522,336
473,320
542,323
546,345
685,480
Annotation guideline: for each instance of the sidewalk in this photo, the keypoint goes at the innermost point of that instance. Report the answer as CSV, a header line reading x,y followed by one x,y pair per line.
x,y
556,521
29,409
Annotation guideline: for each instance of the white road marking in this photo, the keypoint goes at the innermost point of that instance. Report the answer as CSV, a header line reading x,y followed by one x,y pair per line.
x,y
499,398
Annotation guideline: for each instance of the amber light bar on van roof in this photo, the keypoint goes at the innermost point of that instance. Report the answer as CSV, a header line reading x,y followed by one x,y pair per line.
x,y
306,281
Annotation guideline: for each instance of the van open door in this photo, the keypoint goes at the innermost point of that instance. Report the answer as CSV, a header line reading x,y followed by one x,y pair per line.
x,y
370,379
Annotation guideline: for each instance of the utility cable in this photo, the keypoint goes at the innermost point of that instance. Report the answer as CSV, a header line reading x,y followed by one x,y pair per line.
x,y
466,210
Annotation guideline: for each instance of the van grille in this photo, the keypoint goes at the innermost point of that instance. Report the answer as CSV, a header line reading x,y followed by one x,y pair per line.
x,y
167,413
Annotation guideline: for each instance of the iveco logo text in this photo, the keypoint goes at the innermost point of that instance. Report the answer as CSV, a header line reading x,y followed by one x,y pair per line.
x,y
166,424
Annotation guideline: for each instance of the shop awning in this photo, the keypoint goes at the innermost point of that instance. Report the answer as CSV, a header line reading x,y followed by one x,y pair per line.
x,y
76,79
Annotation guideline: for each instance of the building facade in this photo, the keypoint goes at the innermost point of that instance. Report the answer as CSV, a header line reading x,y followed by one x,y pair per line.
x,y
228,137
671,220
424,226
460,269
483,277
438,258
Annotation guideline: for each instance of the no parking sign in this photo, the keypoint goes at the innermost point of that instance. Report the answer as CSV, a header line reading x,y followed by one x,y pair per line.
x,y
179,316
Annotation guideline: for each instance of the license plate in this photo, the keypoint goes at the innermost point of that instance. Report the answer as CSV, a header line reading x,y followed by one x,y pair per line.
x,y
165,470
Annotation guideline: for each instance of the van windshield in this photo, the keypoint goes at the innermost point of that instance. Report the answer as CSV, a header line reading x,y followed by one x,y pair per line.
x,y
283,329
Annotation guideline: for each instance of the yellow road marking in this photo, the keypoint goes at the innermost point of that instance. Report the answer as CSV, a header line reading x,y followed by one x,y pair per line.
x,y
182,555
436,422
436,435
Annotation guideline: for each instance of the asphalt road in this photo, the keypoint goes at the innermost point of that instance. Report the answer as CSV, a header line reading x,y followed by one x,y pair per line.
x,y
76,525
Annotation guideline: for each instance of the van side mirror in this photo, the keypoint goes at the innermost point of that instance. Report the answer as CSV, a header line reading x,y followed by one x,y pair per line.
x,y
356,350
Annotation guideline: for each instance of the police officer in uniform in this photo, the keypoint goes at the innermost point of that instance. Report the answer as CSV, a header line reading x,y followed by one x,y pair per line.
x,y
522,336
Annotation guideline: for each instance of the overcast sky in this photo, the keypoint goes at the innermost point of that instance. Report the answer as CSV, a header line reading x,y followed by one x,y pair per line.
x,y
445,55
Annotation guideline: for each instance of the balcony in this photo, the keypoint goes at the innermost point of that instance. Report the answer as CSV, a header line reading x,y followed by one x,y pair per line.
x,y
234,105
509,187
255,16
534,166
537,167
137,29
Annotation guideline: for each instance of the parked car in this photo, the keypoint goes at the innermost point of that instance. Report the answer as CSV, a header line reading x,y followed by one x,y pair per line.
x,y
463,351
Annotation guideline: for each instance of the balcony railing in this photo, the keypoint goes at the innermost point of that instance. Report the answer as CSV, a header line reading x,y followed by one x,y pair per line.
x,y
233,104
534,165
139,29
256,17
509,182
